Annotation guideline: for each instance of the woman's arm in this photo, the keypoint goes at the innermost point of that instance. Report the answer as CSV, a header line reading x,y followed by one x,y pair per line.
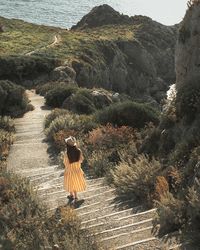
x,y
81,157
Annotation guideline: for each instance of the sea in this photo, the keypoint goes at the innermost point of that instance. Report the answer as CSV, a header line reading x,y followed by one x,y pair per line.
x,y
59,13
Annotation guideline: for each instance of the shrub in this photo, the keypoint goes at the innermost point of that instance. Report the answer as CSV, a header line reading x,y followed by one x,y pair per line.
x,y
82,102
6,139
188,100
136,178
193,213
110,137
63,122
53,115
56,96
171,214
42,89
13,100
161,187
21,67
129,114
7,124
99,163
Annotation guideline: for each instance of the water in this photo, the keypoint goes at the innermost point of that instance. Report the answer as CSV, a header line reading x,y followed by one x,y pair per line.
x,y
65,13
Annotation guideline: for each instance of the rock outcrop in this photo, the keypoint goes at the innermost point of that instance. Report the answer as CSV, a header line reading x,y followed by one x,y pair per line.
x,y
102,15
140,66
187,49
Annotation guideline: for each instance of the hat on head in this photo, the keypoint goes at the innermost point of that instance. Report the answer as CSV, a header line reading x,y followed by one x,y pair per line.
x,y
71,141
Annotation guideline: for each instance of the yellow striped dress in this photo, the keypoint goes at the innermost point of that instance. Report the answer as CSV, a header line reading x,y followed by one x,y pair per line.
x,y
73,177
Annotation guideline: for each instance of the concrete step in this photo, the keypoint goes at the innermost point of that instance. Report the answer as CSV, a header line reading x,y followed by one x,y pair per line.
x,y
37,171
104,210
124,229
127,237
53,204
151,243
59,187
110,217
58,193
122,221
27,163
28,136
46,177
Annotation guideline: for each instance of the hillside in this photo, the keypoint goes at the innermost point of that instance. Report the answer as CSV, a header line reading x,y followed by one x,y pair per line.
x,y
121,53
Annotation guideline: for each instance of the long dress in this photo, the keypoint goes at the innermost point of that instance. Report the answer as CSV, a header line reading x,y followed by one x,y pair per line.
x,y
74,180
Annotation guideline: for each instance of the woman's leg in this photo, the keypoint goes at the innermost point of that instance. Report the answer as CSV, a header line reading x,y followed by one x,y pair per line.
x,y
75,195
71,194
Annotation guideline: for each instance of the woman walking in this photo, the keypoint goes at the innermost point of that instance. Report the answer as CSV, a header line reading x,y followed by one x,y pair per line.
x,y
74,180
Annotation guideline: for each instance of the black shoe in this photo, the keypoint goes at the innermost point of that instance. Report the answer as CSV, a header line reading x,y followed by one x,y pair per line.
x,y
70,197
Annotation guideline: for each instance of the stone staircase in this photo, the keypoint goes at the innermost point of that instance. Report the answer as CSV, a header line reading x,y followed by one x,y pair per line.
x,y
116,224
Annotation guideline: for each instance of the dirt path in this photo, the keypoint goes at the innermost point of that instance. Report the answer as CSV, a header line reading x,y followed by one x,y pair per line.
x,y
56,40
117,224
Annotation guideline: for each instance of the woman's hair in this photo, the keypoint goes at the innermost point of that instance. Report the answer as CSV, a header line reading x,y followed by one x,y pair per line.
x,y
73,153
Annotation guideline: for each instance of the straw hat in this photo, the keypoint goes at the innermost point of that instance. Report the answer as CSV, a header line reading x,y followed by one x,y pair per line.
x,y
71,141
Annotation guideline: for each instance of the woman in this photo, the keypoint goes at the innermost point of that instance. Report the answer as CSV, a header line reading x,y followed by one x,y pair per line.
x,y
74,180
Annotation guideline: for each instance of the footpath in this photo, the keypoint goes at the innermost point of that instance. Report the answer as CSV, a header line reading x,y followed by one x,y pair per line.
x,y
116,224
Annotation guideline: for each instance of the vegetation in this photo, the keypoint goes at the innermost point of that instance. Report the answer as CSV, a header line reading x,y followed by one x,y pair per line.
x,y
13,100
25,225
135,178
129,113
56,96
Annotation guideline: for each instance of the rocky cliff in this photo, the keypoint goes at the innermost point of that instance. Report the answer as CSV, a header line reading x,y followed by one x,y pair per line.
x,y
187,49
142,65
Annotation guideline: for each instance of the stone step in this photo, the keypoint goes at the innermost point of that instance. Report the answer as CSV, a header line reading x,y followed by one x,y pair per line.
x,y
30,130
53,204
104,210
60,180
28,136
96,205
34,141
59,187
125,238
122,221
110,217
124,229
46,177
151,243
37,171
88,192
27,163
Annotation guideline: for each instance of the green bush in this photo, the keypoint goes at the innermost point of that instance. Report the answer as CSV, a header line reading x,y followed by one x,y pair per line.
x,y
42,89
56,96
13,100
129,114
60,123
135,178
21,67
82,102
53,115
